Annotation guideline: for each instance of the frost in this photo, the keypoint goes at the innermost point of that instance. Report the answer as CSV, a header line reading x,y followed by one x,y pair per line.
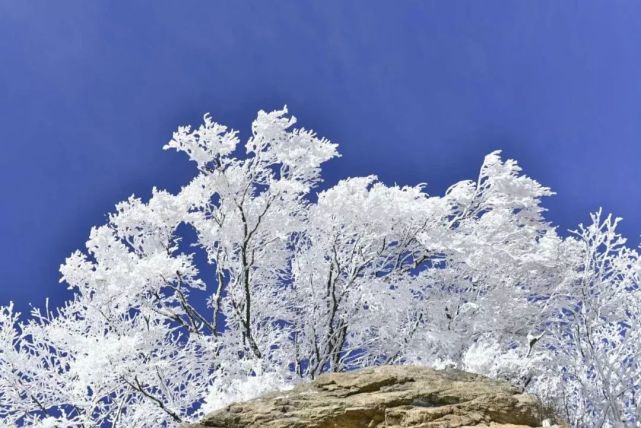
x,y
243,389
293,286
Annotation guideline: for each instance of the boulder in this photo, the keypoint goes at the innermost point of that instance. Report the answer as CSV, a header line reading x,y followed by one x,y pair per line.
x,y
387,396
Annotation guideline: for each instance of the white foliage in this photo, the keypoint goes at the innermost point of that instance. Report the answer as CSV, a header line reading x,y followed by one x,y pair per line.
x,y
293,287
241,389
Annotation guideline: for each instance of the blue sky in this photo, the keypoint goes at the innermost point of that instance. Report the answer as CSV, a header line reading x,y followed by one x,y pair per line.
x,y
413,91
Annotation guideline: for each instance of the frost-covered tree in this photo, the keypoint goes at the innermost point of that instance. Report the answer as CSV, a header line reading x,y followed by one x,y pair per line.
x,y
595,334
251,278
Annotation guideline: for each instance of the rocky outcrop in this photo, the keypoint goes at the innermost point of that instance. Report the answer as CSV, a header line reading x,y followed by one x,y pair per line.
x,y
387,396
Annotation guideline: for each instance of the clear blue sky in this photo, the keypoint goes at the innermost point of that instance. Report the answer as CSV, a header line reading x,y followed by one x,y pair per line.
x,y
414,91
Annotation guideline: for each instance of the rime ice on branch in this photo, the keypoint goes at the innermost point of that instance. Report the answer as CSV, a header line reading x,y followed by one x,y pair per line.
x,y
295,286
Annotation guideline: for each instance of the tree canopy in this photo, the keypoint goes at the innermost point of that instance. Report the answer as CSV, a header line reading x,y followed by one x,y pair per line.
x,y
282,283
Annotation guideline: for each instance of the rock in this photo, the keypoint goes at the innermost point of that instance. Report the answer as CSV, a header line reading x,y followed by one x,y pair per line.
x,y
387,396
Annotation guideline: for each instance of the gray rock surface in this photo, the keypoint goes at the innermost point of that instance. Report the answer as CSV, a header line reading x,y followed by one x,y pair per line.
x,y
387,396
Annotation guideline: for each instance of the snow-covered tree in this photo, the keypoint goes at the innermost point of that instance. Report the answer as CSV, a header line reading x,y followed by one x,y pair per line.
x,y
251,278
595,334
